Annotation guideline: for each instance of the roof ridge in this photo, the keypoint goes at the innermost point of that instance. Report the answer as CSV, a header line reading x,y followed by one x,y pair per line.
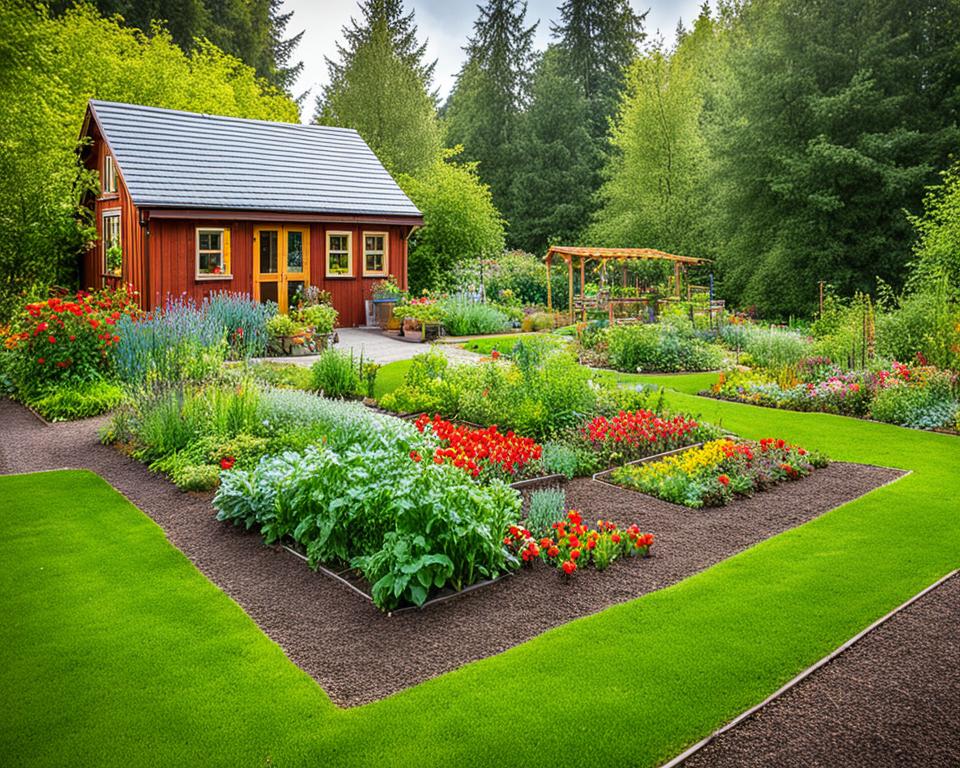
x,y
210,116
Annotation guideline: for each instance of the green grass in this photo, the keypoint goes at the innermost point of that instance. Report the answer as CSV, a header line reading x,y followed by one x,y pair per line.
x,y
117,608
390,376
504,344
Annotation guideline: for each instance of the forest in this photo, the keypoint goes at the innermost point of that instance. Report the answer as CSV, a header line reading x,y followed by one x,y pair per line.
x,y
791,142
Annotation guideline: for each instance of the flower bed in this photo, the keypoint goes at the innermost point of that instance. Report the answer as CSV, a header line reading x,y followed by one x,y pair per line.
x,y
485,453
717,472
632,435
921,396
572,545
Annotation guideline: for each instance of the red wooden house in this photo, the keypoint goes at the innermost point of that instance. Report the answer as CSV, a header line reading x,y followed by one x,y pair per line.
x,y
200,203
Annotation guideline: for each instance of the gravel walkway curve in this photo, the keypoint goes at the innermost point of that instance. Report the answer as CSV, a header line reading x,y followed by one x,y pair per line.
x,y
359,655
892,699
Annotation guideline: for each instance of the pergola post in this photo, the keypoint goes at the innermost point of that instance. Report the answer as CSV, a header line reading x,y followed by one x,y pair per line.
x,y
583,289
549,297
570,272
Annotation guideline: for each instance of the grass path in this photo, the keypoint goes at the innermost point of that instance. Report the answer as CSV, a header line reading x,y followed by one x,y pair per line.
x,y
117,608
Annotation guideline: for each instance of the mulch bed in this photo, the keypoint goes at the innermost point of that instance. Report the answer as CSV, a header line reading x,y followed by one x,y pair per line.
x,y
358,654
893,699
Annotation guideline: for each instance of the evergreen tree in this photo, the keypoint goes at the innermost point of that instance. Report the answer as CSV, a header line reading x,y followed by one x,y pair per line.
x,y
834,118
491,92
599,40
379,87
404,39
556,161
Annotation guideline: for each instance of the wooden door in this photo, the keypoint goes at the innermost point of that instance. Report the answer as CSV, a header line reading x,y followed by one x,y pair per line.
x,y
281,264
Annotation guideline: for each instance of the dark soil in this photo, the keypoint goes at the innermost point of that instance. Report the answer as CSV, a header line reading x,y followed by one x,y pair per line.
x,y
893,699
357,653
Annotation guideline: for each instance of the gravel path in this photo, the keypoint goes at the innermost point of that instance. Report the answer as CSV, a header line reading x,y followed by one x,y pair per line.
x,y
893,699
358,654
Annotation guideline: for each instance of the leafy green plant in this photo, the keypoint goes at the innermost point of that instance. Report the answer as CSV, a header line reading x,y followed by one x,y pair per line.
x,y
335,374
560,459
547,507
659,347
76,400
462,317
320,317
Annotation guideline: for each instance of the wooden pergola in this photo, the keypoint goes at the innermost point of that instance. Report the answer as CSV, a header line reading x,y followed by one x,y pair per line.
x,y
571,253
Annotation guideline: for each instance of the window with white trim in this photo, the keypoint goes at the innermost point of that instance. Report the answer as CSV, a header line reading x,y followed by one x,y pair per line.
x,y
375,258
339,260
109,181
213,252
110,243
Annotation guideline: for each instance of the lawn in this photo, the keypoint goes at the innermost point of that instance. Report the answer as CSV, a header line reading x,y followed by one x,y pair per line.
x,y
98,617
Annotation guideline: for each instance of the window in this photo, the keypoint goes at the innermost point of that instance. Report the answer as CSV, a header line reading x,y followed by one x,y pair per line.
x,y
109,181
339,261
213,253
111,254
375,254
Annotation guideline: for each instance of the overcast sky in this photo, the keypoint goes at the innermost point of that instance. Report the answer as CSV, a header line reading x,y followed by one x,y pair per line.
x,y
446,25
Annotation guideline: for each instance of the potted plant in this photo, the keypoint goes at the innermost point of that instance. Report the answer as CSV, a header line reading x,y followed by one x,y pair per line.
x,y
385,296
289,337
320,320
422,318
114,259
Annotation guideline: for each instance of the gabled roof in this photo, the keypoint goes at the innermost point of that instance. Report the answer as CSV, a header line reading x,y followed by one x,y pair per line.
x,y
173,159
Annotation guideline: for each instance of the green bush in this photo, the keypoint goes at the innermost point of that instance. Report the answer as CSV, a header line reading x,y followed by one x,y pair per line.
x,y
320,317
560,459
335,374
771,348
546,508
467,318
660,347
927,406
76,400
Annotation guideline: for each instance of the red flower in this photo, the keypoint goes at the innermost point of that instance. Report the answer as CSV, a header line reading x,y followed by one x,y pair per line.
x,y
227,462
415,456
724,480
569,567
52,339
574,554
615,538
553,552
495,354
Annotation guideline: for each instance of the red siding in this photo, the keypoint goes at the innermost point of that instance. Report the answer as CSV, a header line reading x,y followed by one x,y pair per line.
x,y
131,233
173,263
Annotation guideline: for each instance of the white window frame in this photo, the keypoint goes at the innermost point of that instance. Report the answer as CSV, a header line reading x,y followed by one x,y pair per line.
x,y
386,254
225,275
109,180
326,256
109,213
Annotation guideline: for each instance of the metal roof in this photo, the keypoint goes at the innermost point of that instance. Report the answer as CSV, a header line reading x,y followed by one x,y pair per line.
x,y
174,159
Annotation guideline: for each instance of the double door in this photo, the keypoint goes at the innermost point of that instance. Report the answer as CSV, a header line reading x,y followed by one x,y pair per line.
x,y
281,264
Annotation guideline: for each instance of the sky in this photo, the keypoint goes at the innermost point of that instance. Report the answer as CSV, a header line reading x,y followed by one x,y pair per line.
x,y
445,24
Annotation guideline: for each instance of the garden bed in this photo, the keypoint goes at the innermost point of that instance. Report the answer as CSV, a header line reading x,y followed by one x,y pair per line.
x,y
358,654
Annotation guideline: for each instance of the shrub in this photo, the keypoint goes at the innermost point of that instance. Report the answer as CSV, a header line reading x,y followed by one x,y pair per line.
x,y
560,459
68,401
546,508
462,317
771,348
927,403
522,278
320,317
335,374
65,340
538,321
659,347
